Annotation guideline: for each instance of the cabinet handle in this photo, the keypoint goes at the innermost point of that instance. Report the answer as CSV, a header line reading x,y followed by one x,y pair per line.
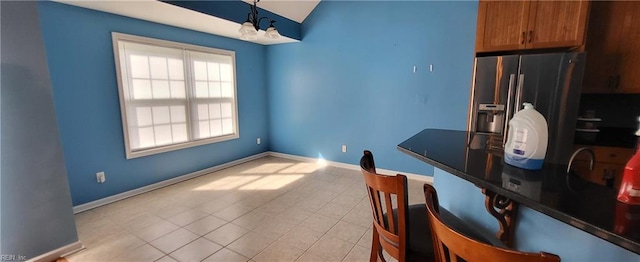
x,y
530,36
617,82
524,36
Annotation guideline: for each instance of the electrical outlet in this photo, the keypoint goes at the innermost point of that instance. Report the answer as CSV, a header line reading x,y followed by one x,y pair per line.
x,y
100,177
258,141
344,148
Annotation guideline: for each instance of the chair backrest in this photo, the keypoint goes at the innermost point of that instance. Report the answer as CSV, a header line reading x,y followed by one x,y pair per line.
x,y
450,245
387,193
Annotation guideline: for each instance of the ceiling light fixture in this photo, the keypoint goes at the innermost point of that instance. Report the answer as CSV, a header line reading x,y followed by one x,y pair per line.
x,y
250,28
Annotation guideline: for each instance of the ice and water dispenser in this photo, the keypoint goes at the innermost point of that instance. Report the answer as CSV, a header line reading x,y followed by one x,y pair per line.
x,y
490,118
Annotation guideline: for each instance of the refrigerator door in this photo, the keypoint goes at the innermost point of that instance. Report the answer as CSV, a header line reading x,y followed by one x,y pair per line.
x,y
493,85
552,83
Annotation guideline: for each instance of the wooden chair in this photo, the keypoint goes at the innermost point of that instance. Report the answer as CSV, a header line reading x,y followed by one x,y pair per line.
x,y
399,229
450,245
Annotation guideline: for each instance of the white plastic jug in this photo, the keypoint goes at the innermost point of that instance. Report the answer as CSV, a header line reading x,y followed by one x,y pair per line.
x,y
527,140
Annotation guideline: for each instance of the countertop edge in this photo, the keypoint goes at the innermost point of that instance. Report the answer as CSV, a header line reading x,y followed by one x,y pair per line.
x,y
579,224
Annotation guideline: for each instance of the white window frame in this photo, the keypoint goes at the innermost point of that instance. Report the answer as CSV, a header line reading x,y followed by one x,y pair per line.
x,y
190,97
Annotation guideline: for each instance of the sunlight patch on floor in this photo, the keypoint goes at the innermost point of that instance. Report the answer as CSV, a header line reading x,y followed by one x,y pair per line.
x,y
271,182
228,183
267,168
304,168
270,176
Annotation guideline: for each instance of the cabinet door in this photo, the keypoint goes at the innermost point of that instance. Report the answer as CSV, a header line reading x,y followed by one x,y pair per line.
x,y
501,25
628,77
556,24
603,41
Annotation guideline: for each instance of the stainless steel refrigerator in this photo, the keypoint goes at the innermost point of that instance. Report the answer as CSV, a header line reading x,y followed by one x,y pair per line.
x,y
551,82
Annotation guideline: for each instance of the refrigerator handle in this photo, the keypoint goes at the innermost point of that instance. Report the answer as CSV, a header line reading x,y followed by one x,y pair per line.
x,y
519,93
512,79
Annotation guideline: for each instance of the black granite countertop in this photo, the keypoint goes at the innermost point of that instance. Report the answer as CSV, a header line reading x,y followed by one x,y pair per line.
x,y
566,197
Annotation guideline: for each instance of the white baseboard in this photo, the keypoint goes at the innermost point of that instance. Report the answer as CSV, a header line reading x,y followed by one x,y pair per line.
x,y
168,182
423,178
161,184
58,253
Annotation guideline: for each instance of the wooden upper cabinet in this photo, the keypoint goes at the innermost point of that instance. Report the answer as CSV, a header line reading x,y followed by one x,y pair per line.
x,y
501,25
557,23
612,46
628,62
517,25
603,41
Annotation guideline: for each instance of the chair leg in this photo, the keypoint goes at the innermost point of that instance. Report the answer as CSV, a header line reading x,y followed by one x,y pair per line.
x,y
375,246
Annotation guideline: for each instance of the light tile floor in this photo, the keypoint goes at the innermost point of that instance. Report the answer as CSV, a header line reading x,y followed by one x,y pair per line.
x,y
269,209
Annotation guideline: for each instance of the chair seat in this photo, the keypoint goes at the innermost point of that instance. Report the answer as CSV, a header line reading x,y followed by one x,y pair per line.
x,y
420,244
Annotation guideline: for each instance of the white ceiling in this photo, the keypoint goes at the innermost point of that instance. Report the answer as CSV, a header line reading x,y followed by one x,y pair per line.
x,y
163,13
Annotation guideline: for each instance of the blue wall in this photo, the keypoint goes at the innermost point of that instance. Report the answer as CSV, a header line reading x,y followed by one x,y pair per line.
x,y
535,231
81,62
350,81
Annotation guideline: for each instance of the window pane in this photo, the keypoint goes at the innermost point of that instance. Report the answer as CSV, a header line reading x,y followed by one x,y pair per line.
x,y
158,67
203,127
214,89
179,132
178,114
203,112
161,115
202,90
226,74
141,89
226,109
214,71
163,134
145,134
160,89
200,70
227,89
176,69
216,127
227,126
214,111
143,116
177,89
139,66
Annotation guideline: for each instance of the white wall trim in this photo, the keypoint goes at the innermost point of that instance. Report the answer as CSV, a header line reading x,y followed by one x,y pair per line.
x,y
168,182
423,178
57,253
161,184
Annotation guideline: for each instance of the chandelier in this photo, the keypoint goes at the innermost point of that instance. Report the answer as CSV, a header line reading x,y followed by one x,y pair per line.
x,y
250,28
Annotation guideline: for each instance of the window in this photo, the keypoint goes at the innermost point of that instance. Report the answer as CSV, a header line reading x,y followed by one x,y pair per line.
x,y
174,95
